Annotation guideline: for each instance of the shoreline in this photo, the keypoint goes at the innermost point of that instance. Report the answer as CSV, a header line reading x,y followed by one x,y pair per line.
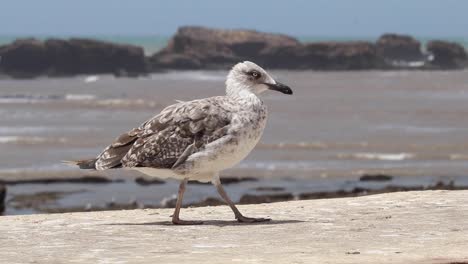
x,y
100,193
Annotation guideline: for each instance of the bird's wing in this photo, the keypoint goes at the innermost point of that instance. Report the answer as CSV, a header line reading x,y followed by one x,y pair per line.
x,y
168,139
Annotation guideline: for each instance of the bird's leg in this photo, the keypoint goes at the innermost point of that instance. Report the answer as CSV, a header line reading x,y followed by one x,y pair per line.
x,y
237,213
175,217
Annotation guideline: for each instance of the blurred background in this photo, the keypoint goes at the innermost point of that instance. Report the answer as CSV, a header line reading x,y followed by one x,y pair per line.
x,y
380,96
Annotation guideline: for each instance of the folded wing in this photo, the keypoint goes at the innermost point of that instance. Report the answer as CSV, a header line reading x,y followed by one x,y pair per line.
x,y
168,139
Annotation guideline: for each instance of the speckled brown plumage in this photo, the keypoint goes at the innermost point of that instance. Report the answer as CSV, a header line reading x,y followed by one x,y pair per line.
x,y
161,141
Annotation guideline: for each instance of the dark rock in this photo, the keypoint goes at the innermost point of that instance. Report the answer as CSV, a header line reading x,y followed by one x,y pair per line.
x,y
103,57
210,201
358,191
270,189
84,179
31,57
375,177
227,180
395,48
144,181
166,60
200,47
2,198
265,198
447,55
24,58
323,56
230,180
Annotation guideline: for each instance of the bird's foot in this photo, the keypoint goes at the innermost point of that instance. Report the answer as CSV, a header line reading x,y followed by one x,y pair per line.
x,y
186,222
244,219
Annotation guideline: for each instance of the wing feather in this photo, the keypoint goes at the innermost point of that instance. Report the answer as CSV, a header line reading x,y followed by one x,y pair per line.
x,y
168,139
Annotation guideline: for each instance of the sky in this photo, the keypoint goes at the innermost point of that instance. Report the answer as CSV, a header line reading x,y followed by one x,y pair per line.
x,y
350,18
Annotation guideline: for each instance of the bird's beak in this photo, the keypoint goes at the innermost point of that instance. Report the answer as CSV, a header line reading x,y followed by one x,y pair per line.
x,y
279,87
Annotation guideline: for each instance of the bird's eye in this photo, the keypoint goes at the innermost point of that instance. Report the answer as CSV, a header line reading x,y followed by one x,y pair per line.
x,y
255,74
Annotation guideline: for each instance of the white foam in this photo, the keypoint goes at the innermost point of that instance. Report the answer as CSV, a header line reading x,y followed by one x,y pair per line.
x,y
418,129
34,130
379,156
79,97
190,75
29,140
22,130
91,79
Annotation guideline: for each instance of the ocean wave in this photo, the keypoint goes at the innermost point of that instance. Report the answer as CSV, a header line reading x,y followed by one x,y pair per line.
x,y
123,103
318,145
377,156
27,98
32,98
30,140
279,165
25,130
80,99
190,75
8,130
299,145
91,79
417,129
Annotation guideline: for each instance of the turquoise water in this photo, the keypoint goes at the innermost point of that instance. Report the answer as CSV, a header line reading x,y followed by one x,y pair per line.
x,y
153,43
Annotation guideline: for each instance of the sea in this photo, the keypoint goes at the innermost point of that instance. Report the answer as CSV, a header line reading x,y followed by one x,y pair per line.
x,y
337,127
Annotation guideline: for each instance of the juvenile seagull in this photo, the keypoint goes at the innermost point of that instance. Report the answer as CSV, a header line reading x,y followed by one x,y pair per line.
x,y
196,140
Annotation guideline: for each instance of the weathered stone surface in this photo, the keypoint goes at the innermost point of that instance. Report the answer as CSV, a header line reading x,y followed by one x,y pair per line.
x,y
447,55
31,57
405,227
395,47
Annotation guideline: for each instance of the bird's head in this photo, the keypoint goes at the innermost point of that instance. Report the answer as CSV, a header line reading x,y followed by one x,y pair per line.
x,y
248,76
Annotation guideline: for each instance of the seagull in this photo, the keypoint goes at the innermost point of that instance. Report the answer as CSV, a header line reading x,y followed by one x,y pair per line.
x,y
196,140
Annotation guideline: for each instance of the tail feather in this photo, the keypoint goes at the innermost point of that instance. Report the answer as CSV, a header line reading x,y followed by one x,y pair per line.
x,y
88,164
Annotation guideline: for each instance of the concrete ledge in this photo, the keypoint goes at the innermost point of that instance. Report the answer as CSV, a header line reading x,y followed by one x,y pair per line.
x,y
407,227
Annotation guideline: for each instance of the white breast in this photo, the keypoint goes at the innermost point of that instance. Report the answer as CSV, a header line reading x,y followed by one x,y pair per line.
x,y
246,131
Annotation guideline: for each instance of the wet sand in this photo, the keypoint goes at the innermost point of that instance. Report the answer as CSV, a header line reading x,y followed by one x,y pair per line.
x,y
338,125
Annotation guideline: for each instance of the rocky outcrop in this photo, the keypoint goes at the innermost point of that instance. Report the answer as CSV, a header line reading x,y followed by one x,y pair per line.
x,y
397,49
24,58
199,47
31,57
447,55
2,198
206,48
323,56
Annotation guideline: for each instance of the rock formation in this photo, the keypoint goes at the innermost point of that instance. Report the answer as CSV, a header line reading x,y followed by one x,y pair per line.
x,y
447,55
199,47
323,56
32,57
397,49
